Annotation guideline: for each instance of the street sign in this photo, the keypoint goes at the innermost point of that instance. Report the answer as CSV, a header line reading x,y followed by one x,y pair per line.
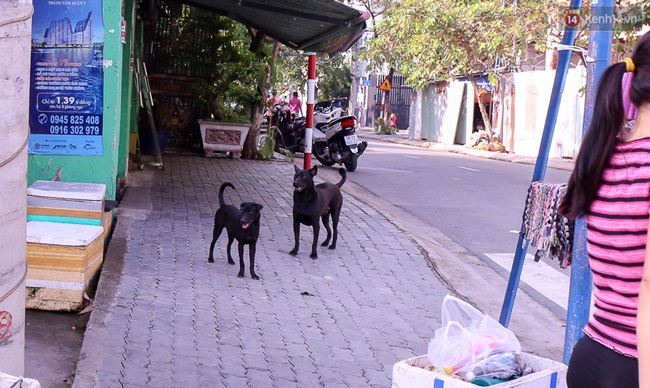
x,y
385,86
367,82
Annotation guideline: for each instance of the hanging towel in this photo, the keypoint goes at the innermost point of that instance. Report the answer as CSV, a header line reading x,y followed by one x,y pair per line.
x,y
546,230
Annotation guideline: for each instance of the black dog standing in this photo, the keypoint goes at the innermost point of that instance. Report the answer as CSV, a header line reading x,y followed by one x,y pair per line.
x,y
311,202
242,224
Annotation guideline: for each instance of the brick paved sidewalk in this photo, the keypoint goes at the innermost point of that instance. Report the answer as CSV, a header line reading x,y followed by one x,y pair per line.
x,y
165,317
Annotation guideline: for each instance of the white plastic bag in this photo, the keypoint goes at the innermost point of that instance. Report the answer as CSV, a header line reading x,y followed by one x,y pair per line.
x,y
467,336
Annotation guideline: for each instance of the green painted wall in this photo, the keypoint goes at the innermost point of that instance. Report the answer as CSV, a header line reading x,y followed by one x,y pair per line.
x,y
111,166
127,90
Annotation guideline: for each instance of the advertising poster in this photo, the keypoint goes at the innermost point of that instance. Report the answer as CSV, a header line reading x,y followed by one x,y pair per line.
x,y
67,78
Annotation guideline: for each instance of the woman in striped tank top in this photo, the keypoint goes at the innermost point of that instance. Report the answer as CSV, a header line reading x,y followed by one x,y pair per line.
x,y
610,186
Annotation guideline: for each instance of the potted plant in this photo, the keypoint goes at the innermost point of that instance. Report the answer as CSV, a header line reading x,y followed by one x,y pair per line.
x,y
228,78
222,137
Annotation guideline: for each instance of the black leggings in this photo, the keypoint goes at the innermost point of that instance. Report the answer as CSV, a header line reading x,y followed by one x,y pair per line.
x,y
593,365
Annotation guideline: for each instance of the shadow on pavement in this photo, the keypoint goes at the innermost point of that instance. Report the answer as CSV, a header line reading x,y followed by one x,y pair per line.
x,y
52,346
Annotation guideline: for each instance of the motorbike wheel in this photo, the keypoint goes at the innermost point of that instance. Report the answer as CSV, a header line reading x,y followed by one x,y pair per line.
x,y
319,148
351,164
324,162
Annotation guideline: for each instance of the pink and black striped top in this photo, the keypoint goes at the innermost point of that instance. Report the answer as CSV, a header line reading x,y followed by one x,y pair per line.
x,y
617,227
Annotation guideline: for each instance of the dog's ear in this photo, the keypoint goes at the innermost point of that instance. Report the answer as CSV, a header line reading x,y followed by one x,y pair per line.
x,y
314,171
296,168
259,207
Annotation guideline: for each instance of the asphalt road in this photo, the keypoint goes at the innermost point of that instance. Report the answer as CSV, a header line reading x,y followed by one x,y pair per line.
x,y
476,202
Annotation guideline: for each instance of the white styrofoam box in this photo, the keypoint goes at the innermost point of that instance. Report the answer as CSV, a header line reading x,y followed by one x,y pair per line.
x,y
68,190
411,373
64,203
55,233
9,381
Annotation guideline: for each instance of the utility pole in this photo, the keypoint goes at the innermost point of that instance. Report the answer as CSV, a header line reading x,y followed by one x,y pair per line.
x,y
600,49
542,161
15,56
311,99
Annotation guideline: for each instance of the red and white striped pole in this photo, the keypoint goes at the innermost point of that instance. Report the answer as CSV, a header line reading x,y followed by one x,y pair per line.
x,y
311,96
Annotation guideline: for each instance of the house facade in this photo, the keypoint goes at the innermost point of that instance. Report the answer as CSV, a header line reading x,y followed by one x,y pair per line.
x,y
446,112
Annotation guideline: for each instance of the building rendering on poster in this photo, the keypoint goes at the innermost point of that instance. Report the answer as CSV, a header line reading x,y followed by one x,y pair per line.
x,y
67,78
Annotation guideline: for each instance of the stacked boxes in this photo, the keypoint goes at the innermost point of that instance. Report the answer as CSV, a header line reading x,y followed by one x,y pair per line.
x,y
66,229
64,202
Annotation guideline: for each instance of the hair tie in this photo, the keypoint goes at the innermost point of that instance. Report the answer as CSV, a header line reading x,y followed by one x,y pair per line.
x,y
629,65
631,110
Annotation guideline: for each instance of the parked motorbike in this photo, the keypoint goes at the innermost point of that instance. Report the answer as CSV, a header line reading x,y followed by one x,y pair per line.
x,y
289,131
335,138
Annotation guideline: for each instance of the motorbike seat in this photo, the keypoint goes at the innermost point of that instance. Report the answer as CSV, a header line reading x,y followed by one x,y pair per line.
x,y
340,119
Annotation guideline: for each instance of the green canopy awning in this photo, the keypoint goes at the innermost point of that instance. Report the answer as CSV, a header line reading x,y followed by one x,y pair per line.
x,y
321,26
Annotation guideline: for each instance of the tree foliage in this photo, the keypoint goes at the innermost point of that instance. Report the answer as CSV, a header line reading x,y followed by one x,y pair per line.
x,y
231,71
428,40
269,55
333,74
374,7
334,78
234,65
291,73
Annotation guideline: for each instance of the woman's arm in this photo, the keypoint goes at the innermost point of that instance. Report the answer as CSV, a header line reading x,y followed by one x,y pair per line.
x,y
643,322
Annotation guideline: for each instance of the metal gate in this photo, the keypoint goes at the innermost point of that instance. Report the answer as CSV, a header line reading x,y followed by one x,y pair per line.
x,y
400,101
176,108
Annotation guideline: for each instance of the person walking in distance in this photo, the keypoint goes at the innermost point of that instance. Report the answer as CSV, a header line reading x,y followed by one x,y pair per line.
x,y
272,101
610,186
393,121
295,104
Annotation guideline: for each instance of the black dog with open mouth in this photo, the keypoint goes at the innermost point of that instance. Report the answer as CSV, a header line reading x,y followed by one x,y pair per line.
x,y
242,224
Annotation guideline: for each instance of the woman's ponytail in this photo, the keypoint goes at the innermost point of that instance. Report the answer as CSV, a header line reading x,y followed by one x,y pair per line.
x,y
607,124
598,144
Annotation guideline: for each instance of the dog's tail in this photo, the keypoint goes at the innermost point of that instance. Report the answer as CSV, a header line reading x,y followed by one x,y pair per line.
x,y
222,189
344,175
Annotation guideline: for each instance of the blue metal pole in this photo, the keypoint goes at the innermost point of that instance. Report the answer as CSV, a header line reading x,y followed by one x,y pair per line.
x,y
600,49
542,160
